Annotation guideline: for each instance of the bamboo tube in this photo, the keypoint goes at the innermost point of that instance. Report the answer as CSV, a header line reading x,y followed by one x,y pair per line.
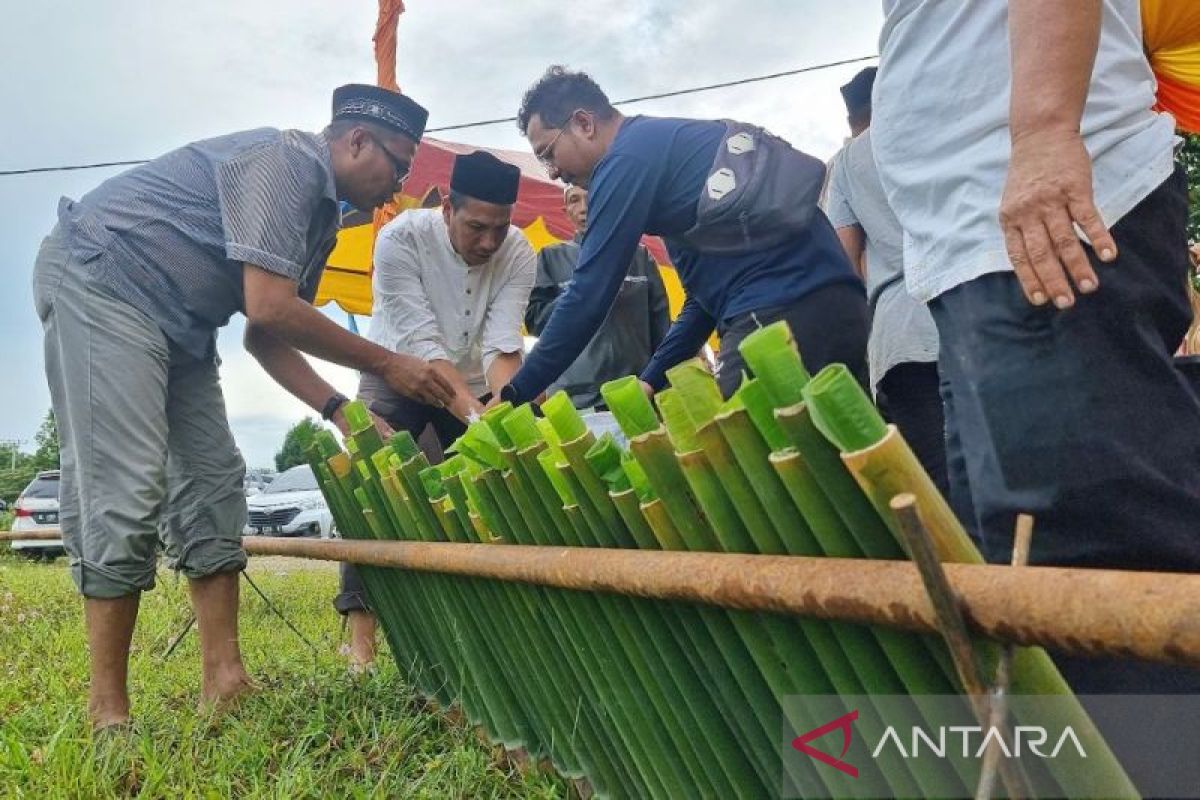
x,y
754,398
706,487
822,518
663,472
627,504
663,661
887,467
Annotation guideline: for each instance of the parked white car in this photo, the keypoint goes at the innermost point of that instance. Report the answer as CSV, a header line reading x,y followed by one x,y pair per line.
x,y
36,509
291,505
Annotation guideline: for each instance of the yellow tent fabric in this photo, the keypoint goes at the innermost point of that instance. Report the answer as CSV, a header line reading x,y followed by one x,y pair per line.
x,y
347,279
1171,30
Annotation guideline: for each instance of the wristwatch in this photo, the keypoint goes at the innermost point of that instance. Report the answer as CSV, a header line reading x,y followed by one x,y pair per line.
x,y
507,392
332,405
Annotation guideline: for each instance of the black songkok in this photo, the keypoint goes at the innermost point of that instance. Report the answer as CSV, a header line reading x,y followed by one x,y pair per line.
x,y
482,176
381,106
857,93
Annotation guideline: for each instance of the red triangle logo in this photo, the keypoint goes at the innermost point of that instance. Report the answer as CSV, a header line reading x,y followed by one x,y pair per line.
x,y
842,723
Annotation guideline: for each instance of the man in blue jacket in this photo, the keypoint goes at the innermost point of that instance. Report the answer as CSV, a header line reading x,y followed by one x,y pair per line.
x,y
660,176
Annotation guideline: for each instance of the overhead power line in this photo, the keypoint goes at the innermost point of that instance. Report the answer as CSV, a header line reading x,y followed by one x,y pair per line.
x,y
500,120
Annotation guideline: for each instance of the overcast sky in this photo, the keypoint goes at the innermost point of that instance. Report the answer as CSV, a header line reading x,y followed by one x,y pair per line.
x,y
125,79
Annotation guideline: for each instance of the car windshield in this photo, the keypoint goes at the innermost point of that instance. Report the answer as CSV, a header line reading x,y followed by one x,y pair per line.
x,y
296,479
42,487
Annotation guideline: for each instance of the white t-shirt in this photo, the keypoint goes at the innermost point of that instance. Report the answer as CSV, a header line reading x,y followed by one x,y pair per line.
x,y
428,303
940,112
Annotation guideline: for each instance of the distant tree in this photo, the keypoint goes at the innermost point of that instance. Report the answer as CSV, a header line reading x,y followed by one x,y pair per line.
x,y
46,440
296,443
17,469
1190,156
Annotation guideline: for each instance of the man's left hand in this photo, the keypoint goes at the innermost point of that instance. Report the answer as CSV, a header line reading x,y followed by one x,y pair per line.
x,y
1048,192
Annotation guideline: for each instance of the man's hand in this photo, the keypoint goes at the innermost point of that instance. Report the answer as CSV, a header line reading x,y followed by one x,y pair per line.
x,y
339,420
1050,187
465,406
416,378
648,389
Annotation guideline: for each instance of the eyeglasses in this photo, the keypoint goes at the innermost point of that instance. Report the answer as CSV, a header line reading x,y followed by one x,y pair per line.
x,y
546,157
400,167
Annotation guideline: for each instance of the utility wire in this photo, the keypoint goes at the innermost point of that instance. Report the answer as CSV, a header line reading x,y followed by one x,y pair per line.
x,y
500,120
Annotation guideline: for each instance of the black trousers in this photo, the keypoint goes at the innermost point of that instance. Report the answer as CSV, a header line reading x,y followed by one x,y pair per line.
x,y
1081,418
830,326
909,395
402,414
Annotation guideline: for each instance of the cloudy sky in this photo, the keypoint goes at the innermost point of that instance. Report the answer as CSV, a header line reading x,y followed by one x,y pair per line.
x,y
125,79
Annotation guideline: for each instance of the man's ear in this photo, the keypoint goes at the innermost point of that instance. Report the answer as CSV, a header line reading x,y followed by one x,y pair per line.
x,y
356,141
447,209
586,122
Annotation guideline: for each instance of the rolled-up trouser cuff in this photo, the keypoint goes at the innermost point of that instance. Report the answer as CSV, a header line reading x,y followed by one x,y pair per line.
x,y
210,555
103,582
352,593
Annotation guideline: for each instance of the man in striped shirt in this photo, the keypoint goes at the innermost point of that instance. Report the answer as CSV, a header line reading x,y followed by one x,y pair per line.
x,y
131,286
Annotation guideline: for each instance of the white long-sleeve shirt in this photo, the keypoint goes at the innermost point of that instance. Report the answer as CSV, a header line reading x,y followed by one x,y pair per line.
x,y
428,303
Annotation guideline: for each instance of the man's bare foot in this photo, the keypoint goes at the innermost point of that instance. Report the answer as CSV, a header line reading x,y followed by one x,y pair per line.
x,y
110,724
362,641
108,710
222,692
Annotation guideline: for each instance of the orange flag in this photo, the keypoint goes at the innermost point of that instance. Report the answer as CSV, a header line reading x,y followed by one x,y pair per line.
x,y
386,26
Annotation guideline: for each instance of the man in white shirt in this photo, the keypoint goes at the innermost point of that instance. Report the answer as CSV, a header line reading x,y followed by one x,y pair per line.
x,y
450,287
1004,132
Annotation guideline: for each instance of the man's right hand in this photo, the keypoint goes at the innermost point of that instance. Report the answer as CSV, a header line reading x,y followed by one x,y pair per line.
x,y
416,378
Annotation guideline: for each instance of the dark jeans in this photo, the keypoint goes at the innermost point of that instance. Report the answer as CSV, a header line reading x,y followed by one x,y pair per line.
x,y
910,397
1081,418
830,326
402,414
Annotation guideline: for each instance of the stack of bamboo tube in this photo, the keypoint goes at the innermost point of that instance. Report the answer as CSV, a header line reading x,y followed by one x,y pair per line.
x,y
665,699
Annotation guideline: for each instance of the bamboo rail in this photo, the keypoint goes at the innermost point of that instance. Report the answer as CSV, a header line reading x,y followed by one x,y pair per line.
x,y
1146,615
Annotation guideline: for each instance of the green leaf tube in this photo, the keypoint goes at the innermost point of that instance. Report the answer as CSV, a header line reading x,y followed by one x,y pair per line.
x,y
357,416
494,419
564,417
404,445
679,424
604,457
697,391
842,411
627,401
754,398
771,354
521,426
637,477
549,462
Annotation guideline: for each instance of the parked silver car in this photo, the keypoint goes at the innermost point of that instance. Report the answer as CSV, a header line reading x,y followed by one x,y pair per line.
x,y
36,509
290,505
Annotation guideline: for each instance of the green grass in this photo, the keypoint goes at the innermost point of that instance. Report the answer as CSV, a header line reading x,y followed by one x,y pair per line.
x,y
314,730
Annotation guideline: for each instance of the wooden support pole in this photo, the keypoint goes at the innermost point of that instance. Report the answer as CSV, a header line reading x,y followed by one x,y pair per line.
x,y
1104,613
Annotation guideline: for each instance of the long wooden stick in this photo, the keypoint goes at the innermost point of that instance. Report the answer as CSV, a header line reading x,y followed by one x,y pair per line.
x,y
999,694
1079,611
954,631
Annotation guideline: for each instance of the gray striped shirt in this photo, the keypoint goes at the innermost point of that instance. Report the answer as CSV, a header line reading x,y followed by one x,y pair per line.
x,y
170,237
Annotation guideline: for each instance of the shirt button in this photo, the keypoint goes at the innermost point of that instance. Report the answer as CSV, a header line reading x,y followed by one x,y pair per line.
x,y
468,312
468,291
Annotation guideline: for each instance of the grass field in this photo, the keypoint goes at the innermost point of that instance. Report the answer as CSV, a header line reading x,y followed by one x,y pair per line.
x,y
314,730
